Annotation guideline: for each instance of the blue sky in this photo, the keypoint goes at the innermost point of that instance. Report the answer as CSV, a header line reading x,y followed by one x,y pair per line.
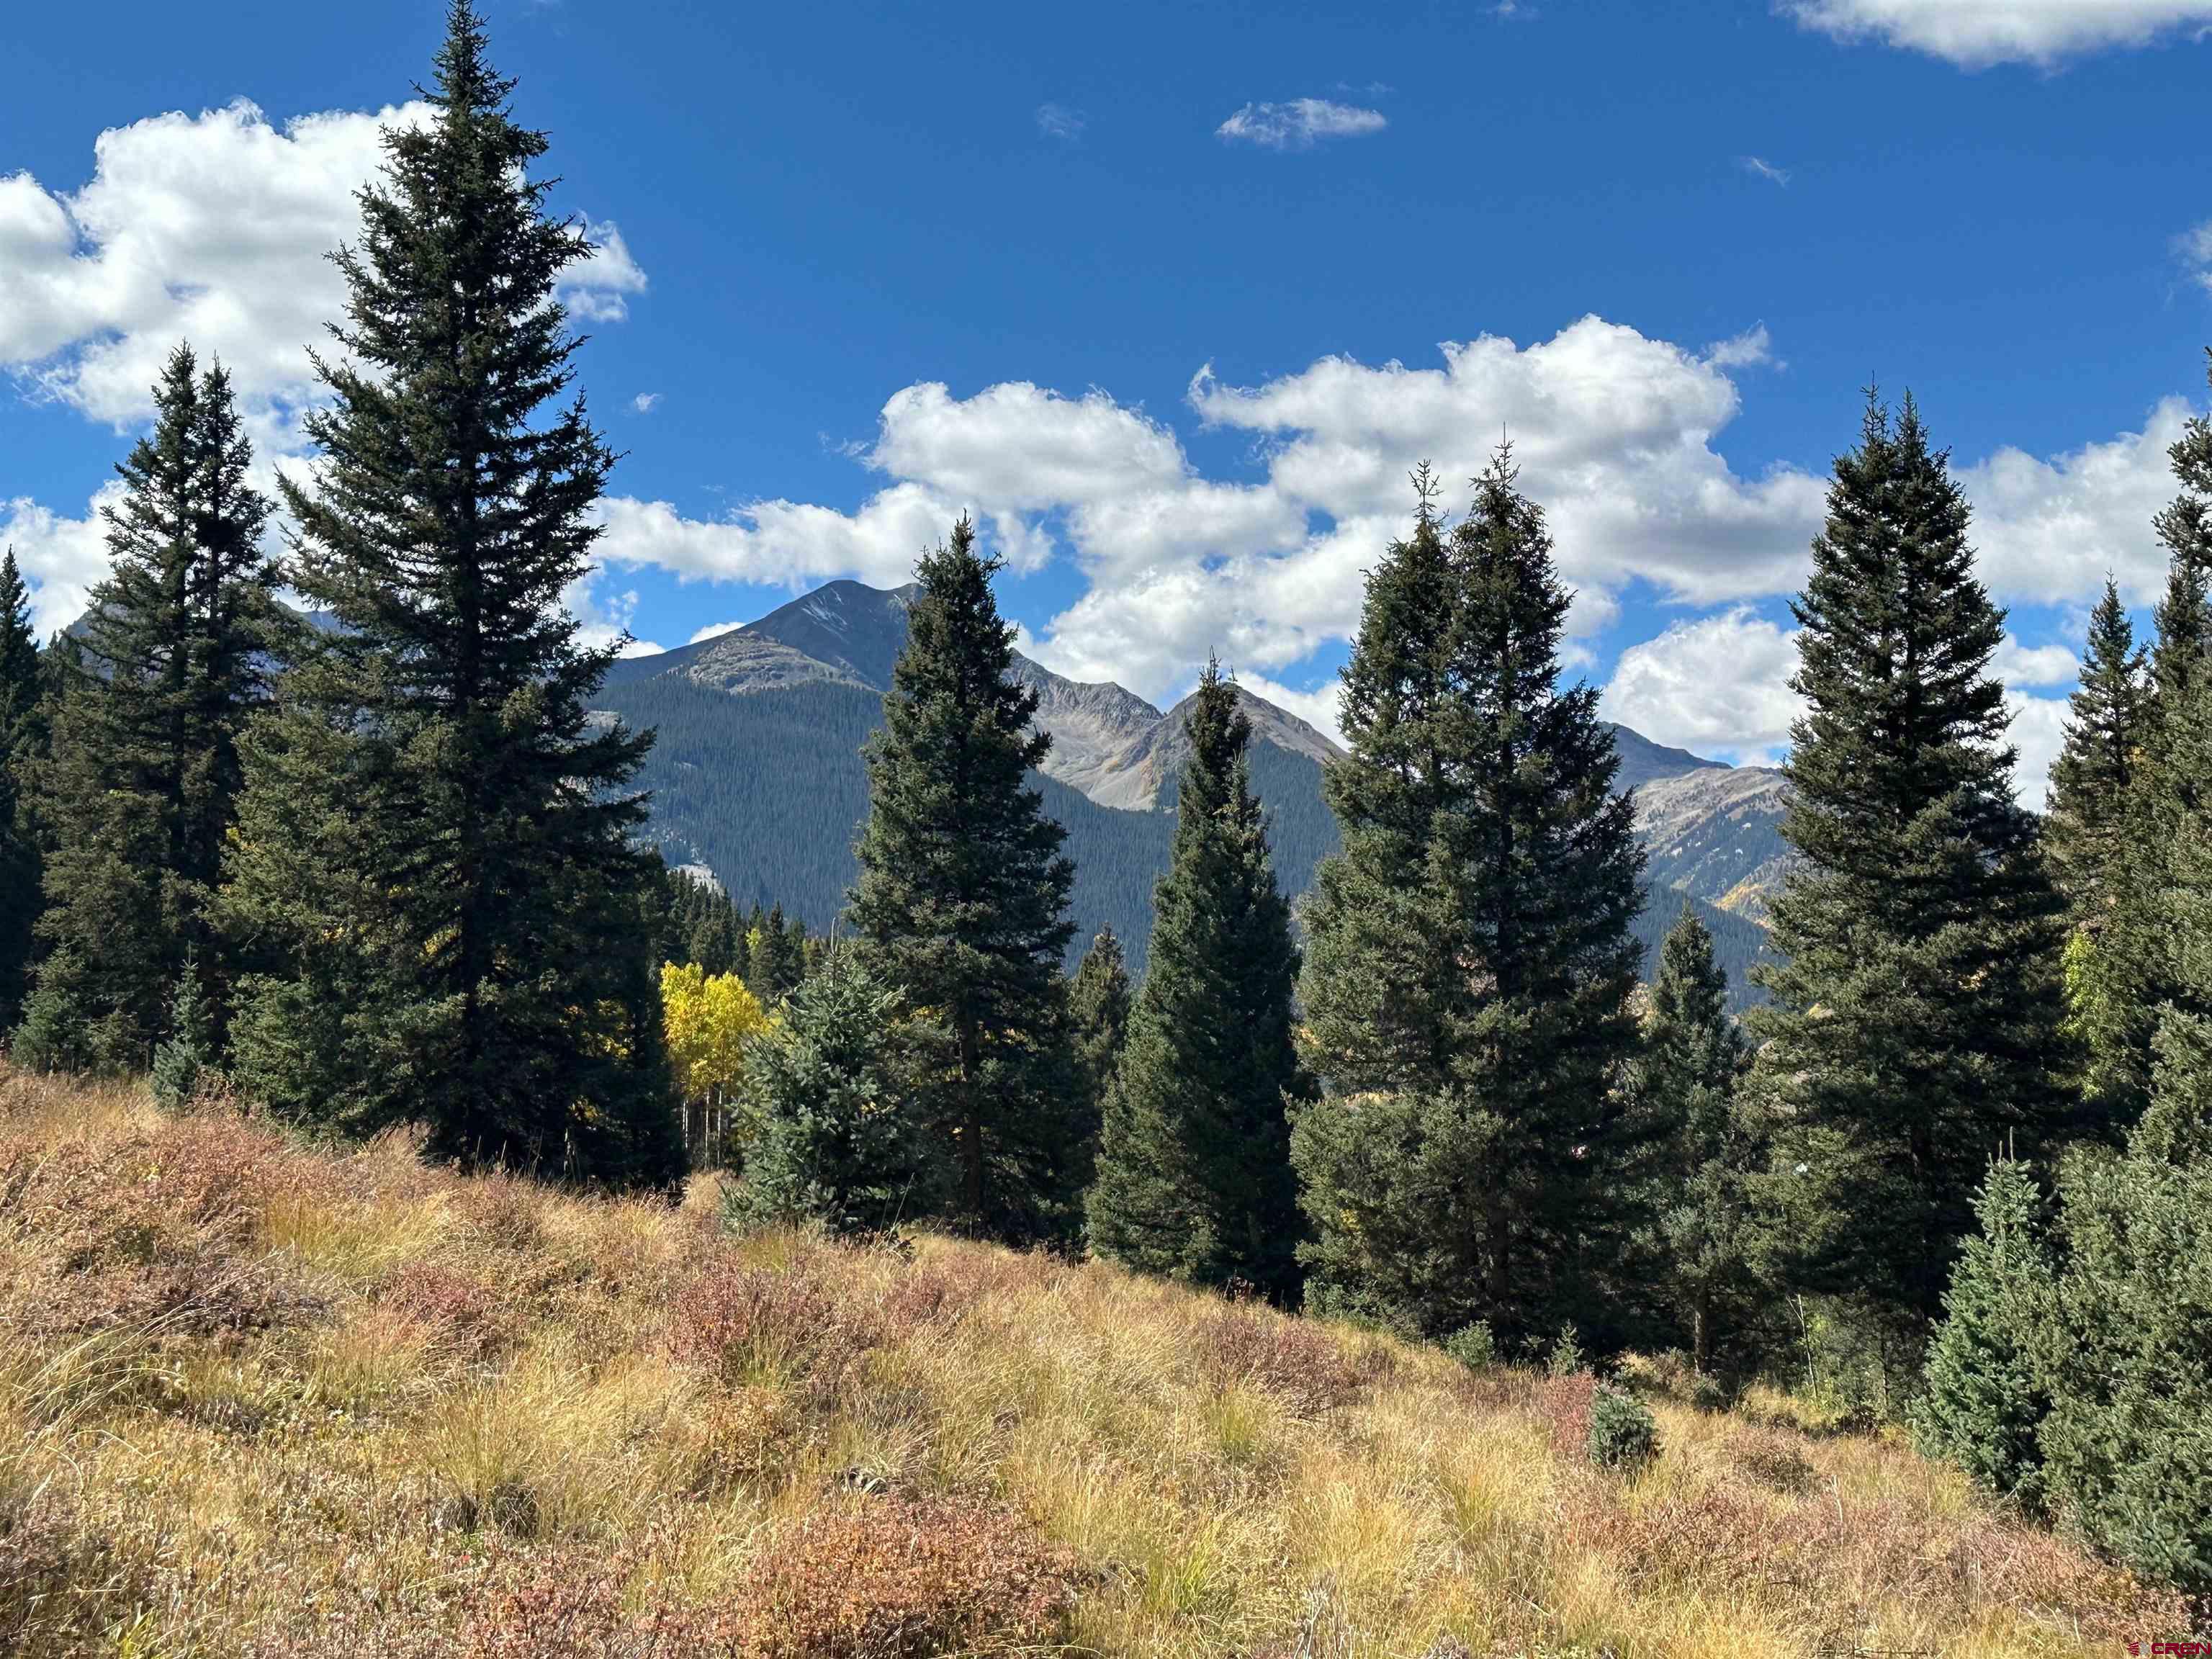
x,y
1128,283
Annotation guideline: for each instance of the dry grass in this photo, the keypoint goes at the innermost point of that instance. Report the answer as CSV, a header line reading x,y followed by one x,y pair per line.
x,y
261,1400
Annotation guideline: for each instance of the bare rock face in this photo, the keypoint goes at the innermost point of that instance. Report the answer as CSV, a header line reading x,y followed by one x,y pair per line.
x,y
1140,778
1717,834
1712,830
1092,726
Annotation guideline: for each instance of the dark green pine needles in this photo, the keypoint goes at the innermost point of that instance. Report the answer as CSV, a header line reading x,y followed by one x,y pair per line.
x,y
961,905
175,653
1469,962
1918,1012
22,745
2085,829
436,872
1098,1017
2129,972
1195,1178
1704,1153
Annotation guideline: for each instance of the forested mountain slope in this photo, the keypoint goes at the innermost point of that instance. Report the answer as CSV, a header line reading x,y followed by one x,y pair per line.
x,y
768,789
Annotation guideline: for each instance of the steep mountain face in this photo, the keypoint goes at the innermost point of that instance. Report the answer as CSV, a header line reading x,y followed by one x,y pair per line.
x,y
1643,761
1144,774
1108,743
757,775
1093,728
1717,834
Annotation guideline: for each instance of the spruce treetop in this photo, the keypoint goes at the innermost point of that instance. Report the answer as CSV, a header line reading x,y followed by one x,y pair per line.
x,y
2091,778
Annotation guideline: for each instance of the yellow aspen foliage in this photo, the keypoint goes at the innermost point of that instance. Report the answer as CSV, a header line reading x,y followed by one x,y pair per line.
x,y
708,1020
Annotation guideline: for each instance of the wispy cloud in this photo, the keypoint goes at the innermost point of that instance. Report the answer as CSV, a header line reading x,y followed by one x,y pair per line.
x,y
1300,123
1760,167
1058,121
646,402
2195,248
1748,350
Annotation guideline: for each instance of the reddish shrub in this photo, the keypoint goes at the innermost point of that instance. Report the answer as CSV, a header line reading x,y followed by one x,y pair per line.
x,y
158,1228
743,1323
1298,1364
62,1584
1563,1404
888,1579
1770,1460
460,1312
504,1210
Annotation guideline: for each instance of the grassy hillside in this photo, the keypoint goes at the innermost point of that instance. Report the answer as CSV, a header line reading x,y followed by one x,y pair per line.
x,y
257,1401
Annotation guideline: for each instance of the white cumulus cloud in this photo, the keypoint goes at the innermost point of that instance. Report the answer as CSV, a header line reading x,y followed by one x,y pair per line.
x,y
61,557
1615,433
1300,123
1718,686
214,229
2047,530
1976,34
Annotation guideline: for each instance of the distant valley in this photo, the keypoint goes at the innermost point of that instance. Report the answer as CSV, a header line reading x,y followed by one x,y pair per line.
x,y
758,776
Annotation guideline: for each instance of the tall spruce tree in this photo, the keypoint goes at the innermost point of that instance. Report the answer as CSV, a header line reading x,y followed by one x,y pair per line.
x,y
22,745
1469,964
2121,985
1704,1154
2127,1446
1098,1014
962,904
2084,827
1194,1177
2089,831
1918,1006
436,866
140,792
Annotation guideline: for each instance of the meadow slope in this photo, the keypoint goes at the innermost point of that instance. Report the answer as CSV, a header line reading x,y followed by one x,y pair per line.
x,y
260,1399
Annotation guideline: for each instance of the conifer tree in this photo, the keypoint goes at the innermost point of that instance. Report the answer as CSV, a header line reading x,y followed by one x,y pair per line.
x,y
1195,1178
1098,1014
2126,1351
436,869
841,1140
22,745
2090,833
961,903
1704,1150
1985,1400
2121,985
185,1059
2085,828
1917,1026
1468,963
140,790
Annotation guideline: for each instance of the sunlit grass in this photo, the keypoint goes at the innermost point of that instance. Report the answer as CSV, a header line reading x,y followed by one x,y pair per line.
x,y
264,1399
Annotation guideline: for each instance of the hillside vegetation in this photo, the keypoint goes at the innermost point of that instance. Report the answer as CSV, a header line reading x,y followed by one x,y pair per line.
x,y
260,1400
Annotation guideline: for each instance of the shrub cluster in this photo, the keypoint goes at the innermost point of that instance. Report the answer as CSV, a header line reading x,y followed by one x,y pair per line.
x,y
1622,1435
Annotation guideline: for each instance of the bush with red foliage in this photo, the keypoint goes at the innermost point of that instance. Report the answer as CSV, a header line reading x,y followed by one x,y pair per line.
x,y
1563,1405
460,1313
889,1579
1298,1364
159,1228
744,1324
